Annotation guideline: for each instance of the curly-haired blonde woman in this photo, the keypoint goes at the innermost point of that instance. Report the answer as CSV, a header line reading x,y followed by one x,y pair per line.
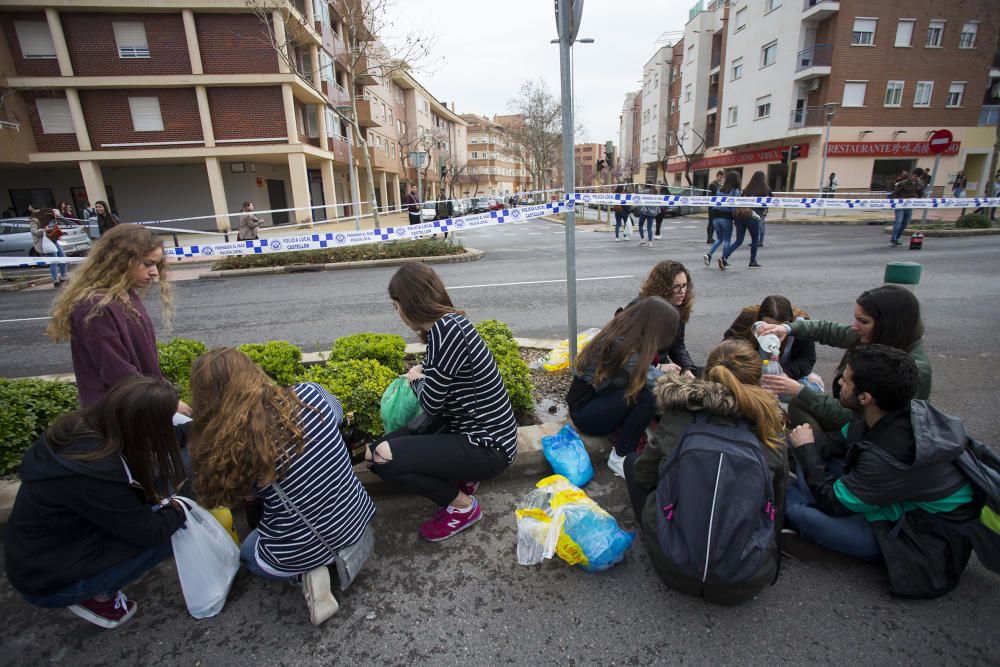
x,y
111,335
282,444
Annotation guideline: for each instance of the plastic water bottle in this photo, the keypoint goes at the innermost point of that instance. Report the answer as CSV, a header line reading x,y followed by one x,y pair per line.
x,y
772,366
769,343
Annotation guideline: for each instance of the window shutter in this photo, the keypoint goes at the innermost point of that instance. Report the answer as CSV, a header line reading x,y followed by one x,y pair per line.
x,y
131,39
35,39
146,114
55,116
904,33
854,93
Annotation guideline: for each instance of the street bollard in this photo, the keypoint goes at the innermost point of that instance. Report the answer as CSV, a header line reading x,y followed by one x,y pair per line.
x,y
903,273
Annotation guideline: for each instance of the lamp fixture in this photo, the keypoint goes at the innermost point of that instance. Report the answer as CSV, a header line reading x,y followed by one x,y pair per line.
x,y
897,133
861,135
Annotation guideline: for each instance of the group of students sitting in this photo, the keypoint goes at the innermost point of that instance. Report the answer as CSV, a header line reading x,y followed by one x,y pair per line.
x,y
869,472
95,509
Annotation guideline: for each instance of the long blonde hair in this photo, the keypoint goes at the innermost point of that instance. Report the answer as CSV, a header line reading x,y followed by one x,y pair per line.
x,y
107,273
246,428
735,364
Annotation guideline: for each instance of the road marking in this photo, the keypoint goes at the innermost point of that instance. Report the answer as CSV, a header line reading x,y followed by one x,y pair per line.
x,y
536,282
25,319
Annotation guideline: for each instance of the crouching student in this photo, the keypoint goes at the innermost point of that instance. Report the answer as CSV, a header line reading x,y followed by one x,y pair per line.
x,y
282,444
89,517
888,490
709,488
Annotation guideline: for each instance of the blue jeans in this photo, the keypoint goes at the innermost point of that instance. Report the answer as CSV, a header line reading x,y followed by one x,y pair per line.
x,y
761,225
57,270
742,226
850,535
606,412
903,216
248,554
621,218
108,582
646,221
723,235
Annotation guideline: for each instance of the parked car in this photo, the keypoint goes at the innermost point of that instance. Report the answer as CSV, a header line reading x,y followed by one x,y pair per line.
x,y
459,207
428,211
497,204
480,205
15,238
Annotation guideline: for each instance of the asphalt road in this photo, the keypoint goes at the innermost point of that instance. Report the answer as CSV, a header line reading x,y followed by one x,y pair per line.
x,y
466,601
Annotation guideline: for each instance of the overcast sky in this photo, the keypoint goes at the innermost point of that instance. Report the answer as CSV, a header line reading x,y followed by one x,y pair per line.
x,y
484,51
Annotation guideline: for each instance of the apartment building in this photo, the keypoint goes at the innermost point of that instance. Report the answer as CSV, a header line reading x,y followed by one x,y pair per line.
x,y
585,158
191,108
630,135
655,135
493,167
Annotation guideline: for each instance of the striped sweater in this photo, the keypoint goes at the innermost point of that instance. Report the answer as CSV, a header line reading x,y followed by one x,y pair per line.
x,y
462,383
321,483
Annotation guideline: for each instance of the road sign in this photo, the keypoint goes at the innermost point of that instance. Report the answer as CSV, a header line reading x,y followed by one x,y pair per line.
x,y
939,141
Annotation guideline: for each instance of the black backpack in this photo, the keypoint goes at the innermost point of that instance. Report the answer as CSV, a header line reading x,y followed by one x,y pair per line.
x,y
981,466
716,515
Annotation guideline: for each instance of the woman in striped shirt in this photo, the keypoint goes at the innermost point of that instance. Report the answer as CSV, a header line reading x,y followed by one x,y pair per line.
x,y
283,444
460,385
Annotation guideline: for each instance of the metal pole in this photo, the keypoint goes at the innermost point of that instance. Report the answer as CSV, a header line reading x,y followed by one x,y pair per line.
x,y
569,176
355,195
826,142
930,183
788,179
420,184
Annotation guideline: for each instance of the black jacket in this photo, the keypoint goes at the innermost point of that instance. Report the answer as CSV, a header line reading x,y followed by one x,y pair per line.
x,y
679,354
74,519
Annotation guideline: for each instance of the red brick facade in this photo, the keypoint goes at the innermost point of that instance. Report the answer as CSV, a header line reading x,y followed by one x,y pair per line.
x,y
93,51
248,112
109,118
48,143
235,44
23,66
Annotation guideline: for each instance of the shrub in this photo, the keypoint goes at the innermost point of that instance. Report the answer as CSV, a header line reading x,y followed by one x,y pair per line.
x,y
27,407
279,359
387,349
515,373
176,358
359,384
973,221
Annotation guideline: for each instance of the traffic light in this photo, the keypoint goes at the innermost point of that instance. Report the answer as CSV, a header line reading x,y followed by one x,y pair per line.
x,y
600,165
444,171
791,154
609,153
795,152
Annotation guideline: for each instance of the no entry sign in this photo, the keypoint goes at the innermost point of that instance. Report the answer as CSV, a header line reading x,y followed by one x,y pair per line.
x,y
939,141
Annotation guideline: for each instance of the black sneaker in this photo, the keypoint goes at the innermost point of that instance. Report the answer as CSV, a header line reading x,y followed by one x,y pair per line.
x,y
723,264
707,259
794,546
755,265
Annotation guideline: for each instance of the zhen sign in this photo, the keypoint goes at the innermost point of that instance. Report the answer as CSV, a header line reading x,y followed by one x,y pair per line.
x,y
885,148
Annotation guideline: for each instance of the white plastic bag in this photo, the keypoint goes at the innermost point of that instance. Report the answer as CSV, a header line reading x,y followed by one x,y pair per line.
x,y
207,560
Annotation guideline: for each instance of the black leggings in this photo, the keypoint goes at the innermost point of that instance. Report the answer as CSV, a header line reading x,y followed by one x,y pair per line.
x,y
433,465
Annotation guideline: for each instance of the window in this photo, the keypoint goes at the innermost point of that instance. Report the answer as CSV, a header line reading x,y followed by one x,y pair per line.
x,y
54,114
854,93
894,93
771,5
923,95
35,39
131,39
737,68
732,115
864,32
904,32
769,54
764,106
146,114
956,91
687,93
935,32
967,40
690,52
741,18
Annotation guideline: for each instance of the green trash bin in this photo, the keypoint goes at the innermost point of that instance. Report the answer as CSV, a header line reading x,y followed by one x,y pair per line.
x,y
903,273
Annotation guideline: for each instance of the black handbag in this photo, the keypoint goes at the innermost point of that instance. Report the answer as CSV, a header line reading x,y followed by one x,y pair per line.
x,y
425,424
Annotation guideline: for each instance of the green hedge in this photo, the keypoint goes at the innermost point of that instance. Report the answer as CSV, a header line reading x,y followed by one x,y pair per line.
x,y
387,349
364,252
973,221
279,359
359,384
514,371
176,358
27,407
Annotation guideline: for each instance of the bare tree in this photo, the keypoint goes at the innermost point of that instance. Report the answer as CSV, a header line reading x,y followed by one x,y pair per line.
x,y
470,180
697,148
419,140
536,138
453,174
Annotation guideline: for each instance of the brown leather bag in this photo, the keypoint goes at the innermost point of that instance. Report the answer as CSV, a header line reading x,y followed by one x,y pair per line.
x,y
54,233
742,212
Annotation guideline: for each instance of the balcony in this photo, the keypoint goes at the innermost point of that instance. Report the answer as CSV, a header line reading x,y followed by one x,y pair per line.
x,y
713,101
988,115
335,93
366,113
338,146
814,11
365,73
716,58
814,62
810,118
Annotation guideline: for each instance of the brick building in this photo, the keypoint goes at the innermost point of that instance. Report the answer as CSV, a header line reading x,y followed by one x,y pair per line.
x,y
188,109
492,163
585,158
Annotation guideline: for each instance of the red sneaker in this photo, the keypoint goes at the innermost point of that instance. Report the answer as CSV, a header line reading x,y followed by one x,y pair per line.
x,y
447,522
468,488
106,613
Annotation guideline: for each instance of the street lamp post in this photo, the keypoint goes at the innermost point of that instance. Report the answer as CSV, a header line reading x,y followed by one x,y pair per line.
x,y
829,110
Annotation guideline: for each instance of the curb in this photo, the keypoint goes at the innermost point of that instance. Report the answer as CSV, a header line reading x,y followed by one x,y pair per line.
x,y
470,255
945,233
17,287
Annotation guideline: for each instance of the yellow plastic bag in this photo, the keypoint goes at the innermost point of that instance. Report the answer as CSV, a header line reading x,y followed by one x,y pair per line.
x,y
558,358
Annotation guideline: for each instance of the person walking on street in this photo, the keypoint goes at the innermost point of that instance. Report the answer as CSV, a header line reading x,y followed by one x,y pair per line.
x,y
646,216
249,223
105,218
723,221
412,202
622,211
958,187
713,190
908,187
831,186
45,235
757,187
661,211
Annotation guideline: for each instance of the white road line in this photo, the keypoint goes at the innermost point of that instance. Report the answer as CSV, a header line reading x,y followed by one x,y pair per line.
x,y
25,319
536,282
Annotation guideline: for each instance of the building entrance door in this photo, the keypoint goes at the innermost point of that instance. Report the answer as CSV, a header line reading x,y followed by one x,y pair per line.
x,y
276,199
884,173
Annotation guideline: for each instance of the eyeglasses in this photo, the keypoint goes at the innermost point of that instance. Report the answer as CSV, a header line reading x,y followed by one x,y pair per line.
x,y
683,287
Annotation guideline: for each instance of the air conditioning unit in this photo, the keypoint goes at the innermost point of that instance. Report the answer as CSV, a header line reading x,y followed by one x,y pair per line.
x,y
813,85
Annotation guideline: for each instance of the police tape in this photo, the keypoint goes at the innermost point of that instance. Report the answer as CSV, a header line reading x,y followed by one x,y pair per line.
x,y
786,202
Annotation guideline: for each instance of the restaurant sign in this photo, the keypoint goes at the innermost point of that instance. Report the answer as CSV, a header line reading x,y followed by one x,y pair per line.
x,y
884,148
737,159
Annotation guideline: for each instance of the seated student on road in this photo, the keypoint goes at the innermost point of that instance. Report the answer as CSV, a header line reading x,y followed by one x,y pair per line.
x,y
283,445
897,458
474,433
100,313
730,393
672,282
90,516
887,315
614,375
798,357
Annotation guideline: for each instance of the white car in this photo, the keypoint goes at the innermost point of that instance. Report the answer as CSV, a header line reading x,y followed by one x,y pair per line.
x,y
15,238
428,211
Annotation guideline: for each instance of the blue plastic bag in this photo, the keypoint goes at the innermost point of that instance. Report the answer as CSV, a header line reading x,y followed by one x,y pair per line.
x,y
568,457
603,542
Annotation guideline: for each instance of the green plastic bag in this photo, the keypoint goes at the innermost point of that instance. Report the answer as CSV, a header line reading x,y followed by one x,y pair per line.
x,y
399,405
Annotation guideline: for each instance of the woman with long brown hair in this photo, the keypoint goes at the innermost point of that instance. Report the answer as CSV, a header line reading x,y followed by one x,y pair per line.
x,y
729,394
81,527
101,314
459,385
251,436
614,375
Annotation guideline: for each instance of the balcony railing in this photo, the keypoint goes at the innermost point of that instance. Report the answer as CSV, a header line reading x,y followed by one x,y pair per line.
x,y
815,56
713,101
809,4
716,58
807,117
989,115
